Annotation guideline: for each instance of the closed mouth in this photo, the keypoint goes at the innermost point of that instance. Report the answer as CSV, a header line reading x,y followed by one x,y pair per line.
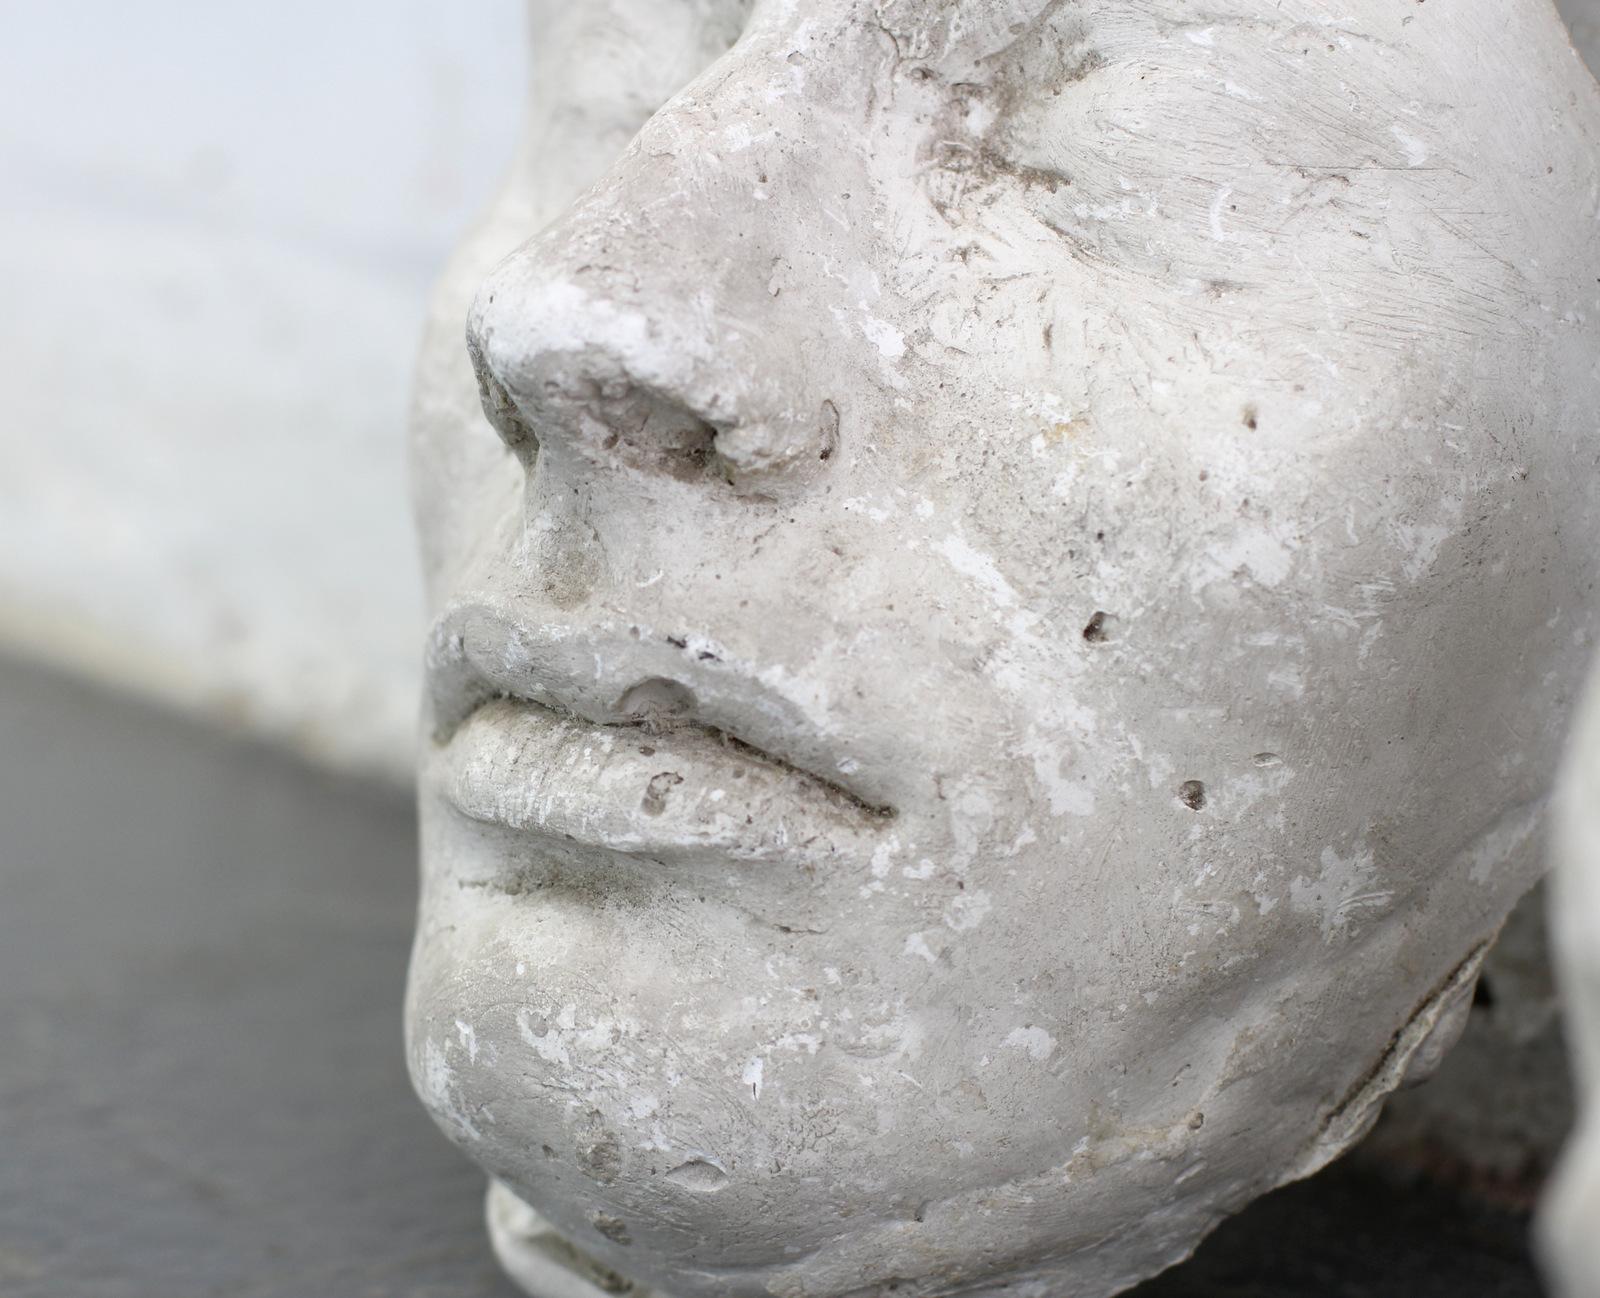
x,y
667,790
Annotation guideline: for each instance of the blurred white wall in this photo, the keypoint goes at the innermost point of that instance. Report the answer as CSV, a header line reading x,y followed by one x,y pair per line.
x,y
218,225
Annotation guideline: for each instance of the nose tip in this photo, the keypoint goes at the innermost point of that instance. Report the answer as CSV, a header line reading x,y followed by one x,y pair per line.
x,y
553,369
622,373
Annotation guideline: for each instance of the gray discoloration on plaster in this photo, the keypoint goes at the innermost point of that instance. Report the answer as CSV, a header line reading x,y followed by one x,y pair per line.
x,y
994,683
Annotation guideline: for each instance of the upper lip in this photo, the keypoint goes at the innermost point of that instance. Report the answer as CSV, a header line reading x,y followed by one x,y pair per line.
x,y
510,753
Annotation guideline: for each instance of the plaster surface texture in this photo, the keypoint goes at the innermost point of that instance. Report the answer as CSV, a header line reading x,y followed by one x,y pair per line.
x,y
1572,1210
219,228
1001,648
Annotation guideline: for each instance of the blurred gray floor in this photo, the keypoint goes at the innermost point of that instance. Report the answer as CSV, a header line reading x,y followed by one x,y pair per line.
x,y
202,1092
202,948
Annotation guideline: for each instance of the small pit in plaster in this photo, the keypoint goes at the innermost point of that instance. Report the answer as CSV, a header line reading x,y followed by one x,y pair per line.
x,y
830,430
1192,793
1099,628
654,801
698,1175
613,1228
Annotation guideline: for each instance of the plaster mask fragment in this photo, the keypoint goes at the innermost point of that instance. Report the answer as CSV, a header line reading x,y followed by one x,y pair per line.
x,y
1006,576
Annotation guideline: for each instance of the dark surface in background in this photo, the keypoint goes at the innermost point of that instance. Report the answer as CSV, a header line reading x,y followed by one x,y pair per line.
x,y
202,948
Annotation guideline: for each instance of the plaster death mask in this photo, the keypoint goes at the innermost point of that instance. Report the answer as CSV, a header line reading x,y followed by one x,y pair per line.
x,y
1006,577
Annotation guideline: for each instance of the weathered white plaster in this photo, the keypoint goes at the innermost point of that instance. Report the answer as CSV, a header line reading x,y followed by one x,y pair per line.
x,y
973,811
1572,1209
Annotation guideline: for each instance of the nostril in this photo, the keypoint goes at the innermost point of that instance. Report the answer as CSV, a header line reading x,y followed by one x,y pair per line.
x,y
644,430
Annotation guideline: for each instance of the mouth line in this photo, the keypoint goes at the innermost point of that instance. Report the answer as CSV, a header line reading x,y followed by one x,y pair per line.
x,y
661,787
666,725
670,725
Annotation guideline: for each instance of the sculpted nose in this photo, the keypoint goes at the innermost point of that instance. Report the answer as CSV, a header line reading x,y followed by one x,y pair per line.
x,y
643,350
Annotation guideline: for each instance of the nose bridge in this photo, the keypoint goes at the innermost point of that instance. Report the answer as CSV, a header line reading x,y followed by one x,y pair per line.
x,y
641,328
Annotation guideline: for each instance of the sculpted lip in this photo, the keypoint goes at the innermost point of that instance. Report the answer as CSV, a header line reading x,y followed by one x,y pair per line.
x,y
686,793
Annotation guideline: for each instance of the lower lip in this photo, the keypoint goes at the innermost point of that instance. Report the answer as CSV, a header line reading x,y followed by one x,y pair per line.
x,y
683,795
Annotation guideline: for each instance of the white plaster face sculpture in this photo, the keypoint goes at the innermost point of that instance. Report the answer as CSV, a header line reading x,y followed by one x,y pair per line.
x,y
1572,1212
1005,661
